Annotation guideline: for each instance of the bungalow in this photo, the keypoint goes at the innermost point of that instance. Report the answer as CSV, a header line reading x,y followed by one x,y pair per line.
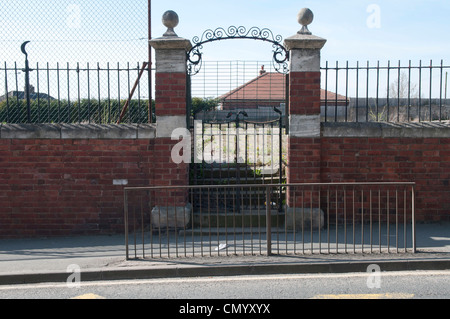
x,y
21,95
268,90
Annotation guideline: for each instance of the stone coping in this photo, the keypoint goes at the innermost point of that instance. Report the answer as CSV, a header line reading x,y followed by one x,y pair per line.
x,y
148,131
386,130
77,131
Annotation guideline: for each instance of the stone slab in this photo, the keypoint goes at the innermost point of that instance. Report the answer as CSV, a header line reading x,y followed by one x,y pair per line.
x,y
298,218
164,217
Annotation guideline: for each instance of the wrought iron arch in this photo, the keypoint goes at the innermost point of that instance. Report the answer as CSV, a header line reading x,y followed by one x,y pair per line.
x,y
280,53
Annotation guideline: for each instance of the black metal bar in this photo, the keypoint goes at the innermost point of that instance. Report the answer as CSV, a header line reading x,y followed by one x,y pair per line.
x,y
268,223
68,95
27,81
98,95
336,92
326,92
38,93
140,120
367,93
420,91
19,120
431,89
357,93
109,92
398,92
118,87
89,93
79,97
440,92
388,92
346,92
6,93
48,94
409,92
378,91
59,92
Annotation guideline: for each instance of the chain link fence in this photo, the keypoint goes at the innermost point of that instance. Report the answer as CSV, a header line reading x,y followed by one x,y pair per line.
x,y
84,59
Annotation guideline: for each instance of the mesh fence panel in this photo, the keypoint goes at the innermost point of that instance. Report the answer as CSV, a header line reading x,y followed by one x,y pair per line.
x,y
84,59
74,31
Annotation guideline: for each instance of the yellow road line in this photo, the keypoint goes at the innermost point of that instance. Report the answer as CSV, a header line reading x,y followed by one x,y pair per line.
x,y
367,296
89,296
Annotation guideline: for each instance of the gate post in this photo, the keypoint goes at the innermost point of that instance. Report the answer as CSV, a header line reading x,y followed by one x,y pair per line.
x,y
304,147
170,110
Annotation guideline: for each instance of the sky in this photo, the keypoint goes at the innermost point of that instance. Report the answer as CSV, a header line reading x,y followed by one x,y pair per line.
x,y
356,30
113,31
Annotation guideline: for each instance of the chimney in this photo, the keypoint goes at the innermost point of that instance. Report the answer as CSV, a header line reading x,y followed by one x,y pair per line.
x,y
31,89
262,71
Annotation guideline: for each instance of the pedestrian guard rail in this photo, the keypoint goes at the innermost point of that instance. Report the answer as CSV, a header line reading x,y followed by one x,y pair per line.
x,y
270,219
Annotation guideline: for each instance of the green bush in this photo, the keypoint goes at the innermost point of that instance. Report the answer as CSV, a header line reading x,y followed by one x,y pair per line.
x,y
85,111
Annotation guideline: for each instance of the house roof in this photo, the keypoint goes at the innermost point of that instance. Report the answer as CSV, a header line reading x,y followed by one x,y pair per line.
x,y
271,86
21,95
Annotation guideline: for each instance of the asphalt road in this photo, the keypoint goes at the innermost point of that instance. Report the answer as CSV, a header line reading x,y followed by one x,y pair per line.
x,y
370,285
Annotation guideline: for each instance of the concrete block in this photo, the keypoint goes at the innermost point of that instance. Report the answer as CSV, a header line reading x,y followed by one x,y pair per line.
x,y
146,131
171,217
296,218
96,131
30,131
304,125
167,124
306,60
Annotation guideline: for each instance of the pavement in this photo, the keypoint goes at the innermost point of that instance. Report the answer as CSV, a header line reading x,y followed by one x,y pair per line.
x,y
24,261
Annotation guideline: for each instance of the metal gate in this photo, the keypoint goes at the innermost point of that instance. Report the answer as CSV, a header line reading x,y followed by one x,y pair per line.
x,y
238,151
237,146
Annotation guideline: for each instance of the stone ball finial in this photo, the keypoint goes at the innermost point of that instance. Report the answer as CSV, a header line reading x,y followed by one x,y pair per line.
x,y
305,17
170,20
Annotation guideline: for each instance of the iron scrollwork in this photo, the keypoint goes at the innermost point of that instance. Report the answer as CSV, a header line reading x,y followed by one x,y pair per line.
x,y
280,53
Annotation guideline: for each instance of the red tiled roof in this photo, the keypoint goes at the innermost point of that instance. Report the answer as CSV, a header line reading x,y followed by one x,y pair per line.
x,y
270,86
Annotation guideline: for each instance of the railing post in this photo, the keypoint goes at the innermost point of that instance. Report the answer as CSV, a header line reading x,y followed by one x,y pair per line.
x,y
268,222
413,212
125,212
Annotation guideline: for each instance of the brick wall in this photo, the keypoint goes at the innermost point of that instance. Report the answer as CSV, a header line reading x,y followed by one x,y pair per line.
x,y
392,153
55,184
65,186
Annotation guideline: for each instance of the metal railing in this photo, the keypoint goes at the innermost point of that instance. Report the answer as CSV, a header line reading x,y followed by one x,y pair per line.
x,y
330,218
75,93
394,92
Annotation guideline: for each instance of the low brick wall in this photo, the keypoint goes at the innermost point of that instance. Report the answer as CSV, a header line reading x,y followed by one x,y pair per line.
x,y
377,152
59,180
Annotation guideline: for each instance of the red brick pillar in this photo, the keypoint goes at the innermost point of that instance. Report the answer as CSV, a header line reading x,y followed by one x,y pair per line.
x,y
304,146
170,99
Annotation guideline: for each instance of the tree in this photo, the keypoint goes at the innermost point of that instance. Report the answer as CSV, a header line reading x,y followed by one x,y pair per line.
x,y
203,105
